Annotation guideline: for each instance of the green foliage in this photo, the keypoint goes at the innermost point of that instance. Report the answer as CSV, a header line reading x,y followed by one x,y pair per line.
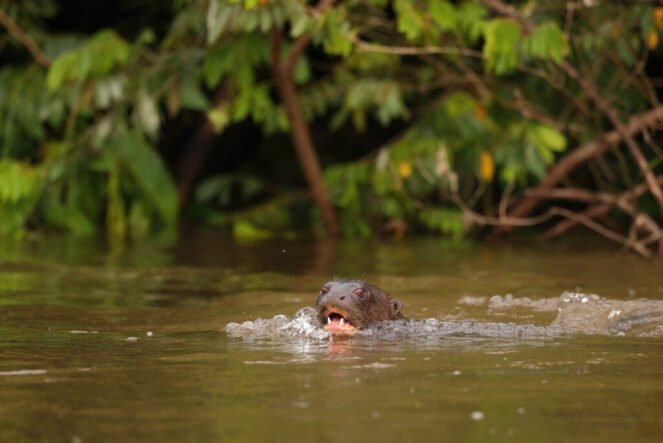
x,y
104,52
502,43
469,100
546,42
382,97
20,188
443,220
334,32
148,173
444,14
409,21
471,20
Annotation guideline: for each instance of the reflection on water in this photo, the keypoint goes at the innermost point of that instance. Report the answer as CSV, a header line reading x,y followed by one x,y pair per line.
x,y
154,344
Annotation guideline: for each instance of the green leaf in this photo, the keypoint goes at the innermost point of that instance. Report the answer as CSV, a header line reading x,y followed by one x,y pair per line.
x,y
302,71
409,19
104,52
219,117
547,42
139,220
116,220
147,115
191,95
301,24
334,34
470,18
443,13
443,220
245,230
460,103
547,137
149,172
501,47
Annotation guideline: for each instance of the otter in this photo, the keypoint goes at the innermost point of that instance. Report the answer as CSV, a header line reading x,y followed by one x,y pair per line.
x,y
344,306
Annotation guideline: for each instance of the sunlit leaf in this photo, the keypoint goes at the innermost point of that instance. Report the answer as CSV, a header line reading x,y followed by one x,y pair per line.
x,y
547,42
487,166
444,14
147,115
501,47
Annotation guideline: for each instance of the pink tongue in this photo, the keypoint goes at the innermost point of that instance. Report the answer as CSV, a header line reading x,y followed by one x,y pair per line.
x,y
338,324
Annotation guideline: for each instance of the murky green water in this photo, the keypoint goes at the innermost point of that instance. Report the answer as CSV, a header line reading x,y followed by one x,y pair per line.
x,y
132,346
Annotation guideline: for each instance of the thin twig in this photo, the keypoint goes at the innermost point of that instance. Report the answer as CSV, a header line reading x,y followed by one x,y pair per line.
x,y
563,226
612,235
635,245
504,201
409,50
580,155
596,97
15,31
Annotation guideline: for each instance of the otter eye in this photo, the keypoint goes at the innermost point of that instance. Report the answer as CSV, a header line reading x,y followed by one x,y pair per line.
x,y
359,292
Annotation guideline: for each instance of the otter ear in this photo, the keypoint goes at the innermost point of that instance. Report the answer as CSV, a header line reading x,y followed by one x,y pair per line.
x,y
396,306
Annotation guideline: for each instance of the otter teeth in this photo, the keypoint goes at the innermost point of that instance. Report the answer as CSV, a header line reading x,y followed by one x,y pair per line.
x,y
341,322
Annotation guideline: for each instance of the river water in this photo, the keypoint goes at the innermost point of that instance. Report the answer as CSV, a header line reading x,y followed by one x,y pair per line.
x,y
211,340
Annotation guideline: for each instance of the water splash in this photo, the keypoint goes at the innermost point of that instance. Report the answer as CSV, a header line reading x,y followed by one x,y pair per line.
x,y
577,313
592,314
303,324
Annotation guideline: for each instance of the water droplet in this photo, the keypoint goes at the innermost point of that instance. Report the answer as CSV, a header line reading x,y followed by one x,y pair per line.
x,y
477,415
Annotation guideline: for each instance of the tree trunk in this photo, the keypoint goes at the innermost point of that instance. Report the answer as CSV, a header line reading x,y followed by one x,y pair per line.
x,y
301,135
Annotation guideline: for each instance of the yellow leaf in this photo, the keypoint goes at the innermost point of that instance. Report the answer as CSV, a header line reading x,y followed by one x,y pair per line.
x,y
658,17
487,166
652,40
405,169
174,100
480,112
616,30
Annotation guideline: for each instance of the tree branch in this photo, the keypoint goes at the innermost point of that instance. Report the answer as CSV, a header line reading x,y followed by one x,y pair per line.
x,y
563,226
15,31
575,158
301,135
607,110
410,50
622,201
302,42
633,244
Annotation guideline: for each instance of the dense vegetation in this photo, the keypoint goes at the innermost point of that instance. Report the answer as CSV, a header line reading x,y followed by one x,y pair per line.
x,y
424,115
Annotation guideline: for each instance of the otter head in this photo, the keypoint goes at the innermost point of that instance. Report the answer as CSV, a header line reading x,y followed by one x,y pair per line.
x,y
345,306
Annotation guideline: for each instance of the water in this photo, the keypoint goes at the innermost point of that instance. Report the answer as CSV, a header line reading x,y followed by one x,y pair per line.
x,y
210,340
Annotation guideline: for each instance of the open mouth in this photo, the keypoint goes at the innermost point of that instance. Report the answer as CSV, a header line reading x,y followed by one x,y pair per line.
x,y
335,320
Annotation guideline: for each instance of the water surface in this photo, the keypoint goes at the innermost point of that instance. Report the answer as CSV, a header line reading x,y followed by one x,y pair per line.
x,y
133,345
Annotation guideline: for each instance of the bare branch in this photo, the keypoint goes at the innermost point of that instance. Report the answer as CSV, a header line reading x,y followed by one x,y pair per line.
x,y
301,135
576,157
409,50
596,97
15,31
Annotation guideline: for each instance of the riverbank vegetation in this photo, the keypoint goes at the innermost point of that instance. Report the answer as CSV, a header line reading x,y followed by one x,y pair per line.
x,y
355,118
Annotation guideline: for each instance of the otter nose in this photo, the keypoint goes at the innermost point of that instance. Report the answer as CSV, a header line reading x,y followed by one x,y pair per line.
x,y
342,297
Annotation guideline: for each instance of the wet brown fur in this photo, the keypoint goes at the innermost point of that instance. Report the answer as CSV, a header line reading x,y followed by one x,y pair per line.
x,y
360,303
